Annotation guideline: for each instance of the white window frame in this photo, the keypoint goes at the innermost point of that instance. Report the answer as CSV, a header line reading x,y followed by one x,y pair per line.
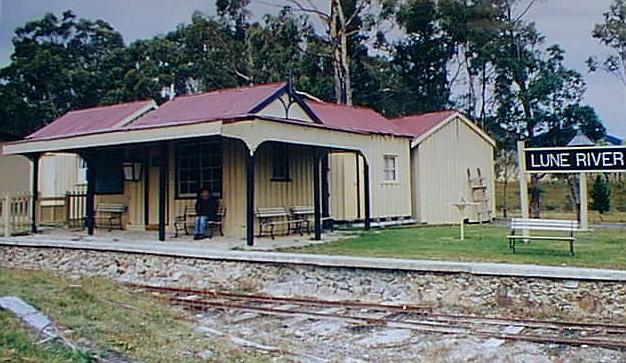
x,y
390,172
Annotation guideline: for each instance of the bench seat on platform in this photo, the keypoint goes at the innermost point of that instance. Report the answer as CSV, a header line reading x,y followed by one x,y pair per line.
x,y
567,227
308,214
112,212
270,218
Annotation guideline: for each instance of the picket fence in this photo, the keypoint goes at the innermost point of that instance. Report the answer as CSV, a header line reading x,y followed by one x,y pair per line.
x,y
15,213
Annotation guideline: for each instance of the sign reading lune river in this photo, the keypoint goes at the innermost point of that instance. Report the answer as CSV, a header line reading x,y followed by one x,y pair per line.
x,y
576,159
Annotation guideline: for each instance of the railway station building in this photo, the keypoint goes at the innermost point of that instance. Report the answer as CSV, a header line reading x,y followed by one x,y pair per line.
x,y
252,147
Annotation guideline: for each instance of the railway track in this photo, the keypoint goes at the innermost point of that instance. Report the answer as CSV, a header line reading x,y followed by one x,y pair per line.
x,y
414,317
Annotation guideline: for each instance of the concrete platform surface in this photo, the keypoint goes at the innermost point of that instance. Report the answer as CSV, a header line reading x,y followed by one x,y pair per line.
x,y
204,250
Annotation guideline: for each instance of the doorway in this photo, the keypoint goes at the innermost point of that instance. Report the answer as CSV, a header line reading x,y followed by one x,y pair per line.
x,y
152,192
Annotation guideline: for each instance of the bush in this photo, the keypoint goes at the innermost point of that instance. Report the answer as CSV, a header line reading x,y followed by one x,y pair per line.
x,y
567,204
600,195
620,204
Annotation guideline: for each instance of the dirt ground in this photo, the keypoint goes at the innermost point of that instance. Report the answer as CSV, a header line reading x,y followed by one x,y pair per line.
x,y
302,339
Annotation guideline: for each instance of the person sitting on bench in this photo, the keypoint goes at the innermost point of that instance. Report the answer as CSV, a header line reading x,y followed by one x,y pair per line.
x,y
206,210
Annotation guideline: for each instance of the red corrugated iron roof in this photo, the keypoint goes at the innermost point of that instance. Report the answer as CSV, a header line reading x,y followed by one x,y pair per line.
x,y
89,120
209,106
418,125
227,104
354,118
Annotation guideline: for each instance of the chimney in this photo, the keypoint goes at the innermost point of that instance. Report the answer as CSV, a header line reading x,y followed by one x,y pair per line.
x,y
172,92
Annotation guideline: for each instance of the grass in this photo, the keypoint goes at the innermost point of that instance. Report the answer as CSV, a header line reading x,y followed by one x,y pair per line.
x,y
111,317
602,248
18,345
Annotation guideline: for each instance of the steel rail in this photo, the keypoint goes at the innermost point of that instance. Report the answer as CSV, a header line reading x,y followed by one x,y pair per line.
x,y
269,298
433,323
563,324
412,325
532,323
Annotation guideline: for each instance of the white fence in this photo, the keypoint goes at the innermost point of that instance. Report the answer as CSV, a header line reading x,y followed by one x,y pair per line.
x,y
15,213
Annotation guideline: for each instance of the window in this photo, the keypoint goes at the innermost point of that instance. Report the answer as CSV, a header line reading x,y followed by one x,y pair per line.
x,y
108,173
81,173
198,165
390,171
280,163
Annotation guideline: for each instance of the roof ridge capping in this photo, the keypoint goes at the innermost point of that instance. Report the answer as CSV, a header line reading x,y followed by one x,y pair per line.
x,y
112,105
151,105
228,90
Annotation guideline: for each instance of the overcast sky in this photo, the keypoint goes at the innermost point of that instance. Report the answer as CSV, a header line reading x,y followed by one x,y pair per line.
x,y
566,22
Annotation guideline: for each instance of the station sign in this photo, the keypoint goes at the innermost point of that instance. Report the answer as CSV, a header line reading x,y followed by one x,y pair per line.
x,y
585,159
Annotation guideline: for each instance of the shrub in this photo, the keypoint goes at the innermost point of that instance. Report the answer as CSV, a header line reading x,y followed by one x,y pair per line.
x,y
600,195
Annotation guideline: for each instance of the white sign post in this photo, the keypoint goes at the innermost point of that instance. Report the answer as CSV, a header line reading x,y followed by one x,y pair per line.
x,y
583,223
523,182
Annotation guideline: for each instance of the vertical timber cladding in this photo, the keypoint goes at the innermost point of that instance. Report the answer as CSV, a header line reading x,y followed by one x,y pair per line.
x,y
576,159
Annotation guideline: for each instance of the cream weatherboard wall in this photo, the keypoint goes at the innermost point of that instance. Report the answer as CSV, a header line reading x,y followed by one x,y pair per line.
x,y
346,186
268,193
58,174
388,199
439,167
15,173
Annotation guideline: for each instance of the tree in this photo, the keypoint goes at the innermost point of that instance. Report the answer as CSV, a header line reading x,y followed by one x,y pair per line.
x,y
536,97
54,68
235,14
339,22
473,27
506,169
611,33
600,195
276,47
210,53
419,76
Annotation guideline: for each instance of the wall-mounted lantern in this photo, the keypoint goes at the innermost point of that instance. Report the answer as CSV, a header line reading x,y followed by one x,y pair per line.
x,y
132,170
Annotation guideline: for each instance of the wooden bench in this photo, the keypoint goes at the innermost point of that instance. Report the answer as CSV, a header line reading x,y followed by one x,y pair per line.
x,y
269,218
217,224
547,225
114,212
308,214
186,222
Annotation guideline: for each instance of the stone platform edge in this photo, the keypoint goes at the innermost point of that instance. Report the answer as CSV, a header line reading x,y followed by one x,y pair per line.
x,y
334,261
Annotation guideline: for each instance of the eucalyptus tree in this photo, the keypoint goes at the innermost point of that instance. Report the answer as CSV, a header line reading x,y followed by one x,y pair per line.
x,y
419,59
473,27
344,25
277,46
612,33
55,67
537,98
